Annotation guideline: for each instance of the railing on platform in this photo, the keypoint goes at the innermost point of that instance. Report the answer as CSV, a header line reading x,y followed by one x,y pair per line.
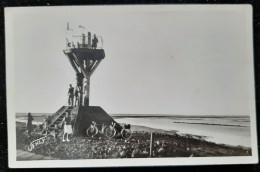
x,y
83,41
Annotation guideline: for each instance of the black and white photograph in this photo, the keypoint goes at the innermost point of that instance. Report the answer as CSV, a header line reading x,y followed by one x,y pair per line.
x,y
130,85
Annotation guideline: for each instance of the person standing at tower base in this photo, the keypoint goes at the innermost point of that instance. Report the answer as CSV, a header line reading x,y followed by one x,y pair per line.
x,y
67,127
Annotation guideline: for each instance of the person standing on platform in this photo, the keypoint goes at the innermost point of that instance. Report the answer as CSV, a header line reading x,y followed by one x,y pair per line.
x,y
67,127
94,42
29,123
71,95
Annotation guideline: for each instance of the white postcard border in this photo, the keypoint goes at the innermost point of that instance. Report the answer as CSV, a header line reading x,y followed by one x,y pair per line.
x,y
10,85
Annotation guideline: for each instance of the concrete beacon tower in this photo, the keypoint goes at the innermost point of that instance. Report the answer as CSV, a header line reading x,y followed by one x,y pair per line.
x,y
84,53
84,58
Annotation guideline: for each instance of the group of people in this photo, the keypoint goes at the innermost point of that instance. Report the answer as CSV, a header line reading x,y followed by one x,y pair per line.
x,y
81,88
93,46
45,127
73,94
99,148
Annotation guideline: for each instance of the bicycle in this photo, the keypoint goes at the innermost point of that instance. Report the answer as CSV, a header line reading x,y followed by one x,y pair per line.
x,y
93,129
111,131
126,132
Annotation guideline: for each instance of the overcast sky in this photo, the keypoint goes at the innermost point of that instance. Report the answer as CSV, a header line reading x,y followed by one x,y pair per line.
x,y
159,60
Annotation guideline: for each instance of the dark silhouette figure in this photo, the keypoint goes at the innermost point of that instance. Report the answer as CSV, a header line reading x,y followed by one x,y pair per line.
x,y
94,42
79,77
71,95
29,123
76,97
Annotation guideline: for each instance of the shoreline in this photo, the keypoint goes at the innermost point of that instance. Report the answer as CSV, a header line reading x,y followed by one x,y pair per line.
x,y
165,144
140,128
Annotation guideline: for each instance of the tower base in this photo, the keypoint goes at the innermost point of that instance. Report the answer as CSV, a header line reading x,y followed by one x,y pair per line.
x,y
87,114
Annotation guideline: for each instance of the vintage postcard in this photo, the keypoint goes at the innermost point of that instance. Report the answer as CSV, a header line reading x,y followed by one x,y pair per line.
x,y
133,85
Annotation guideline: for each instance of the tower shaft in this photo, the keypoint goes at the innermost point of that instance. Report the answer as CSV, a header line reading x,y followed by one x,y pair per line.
x,y
84,59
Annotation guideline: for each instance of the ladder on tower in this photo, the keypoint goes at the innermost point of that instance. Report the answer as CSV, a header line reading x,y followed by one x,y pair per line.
x,y
58,116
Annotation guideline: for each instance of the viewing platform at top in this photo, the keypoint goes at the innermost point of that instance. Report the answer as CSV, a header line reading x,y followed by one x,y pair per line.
x,y
86,51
